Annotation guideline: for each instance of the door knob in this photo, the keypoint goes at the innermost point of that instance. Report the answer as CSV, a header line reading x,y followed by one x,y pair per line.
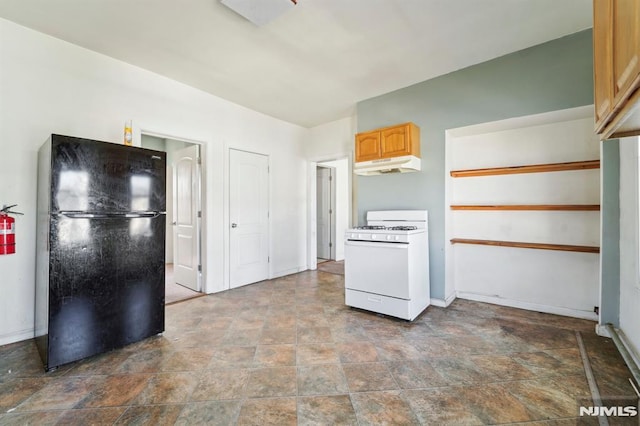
x,y
174,223
234,225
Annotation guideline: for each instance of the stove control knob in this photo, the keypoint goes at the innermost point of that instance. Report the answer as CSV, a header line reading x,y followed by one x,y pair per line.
x,y
373,236
389,237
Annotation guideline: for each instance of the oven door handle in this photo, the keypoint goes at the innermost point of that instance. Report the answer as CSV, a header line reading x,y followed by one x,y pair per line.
x,y
386,244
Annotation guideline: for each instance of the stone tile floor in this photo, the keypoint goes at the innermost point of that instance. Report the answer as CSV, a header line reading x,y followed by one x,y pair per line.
x,y
174,292
332,266
288,351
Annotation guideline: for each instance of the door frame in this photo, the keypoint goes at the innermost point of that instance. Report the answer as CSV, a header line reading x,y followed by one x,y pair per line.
x,y
227,212
201,204
312,225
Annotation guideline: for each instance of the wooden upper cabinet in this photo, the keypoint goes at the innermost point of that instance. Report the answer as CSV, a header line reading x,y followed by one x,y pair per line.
x,y
626,64
394,141
400,140
616,66
602,61
367,146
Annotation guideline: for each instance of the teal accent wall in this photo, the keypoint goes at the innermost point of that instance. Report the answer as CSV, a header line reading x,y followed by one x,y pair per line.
x,y
548,77
610,244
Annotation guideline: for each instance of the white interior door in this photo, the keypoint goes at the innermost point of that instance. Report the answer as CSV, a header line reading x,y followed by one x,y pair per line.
x,y
186,232
323,212
248,217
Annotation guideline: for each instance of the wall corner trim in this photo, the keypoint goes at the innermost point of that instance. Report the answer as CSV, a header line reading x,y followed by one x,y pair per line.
x,y
444,303
601,330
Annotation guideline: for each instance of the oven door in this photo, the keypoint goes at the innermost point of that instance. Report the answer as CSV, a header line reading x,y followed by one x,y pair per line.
x,y
377,267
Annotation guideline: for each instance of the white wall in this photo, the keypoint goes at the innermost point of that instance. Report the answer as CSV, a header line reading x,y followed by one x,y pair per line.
x,y
558,282
629,248
50,86
331,140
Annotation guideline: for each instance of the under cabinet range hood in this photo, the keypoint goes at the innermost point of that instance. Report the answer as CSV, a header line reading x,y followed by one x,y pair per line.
x,y
403,164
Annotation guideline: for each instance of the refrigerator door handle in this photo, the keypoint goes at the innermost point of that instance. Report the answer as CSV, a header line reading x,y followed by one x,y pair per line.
x,y
144,214
74,215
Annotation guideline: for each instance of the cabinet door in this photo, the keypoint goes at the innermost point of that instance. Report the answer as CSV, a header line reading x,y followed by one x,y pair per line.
x,y
626,30
367,146
395,141
602,60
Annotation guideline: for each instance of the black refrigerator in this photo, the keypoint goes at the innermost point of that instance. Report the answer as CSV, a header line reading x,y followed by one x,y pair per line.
x,y
100,247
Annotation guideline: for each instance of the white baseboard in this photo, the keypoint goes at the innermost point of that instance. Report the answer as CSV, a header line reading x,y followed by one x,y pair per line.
x,y
557,310
443,303
16,336
633,351
289,272
627,350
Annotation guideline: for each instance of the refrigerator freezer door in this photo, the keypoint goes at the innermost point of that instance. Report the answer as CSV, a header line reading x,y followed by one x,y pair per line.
x,y
106,286
92,176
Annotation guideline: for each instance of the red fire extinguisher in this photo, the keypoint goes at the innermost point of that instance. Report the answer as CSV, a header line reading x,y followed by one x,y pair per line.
x,y
7,231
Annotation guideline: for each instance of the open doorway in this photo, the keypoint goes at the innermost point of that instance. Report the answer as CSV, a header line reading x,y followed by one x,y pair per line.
x,y
325,213
332,213
183,204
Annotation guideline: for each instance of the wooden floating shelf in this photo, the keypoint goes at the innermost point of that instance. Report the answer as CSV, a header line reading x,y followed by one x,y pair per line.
x,y
532,207
539,246
534,168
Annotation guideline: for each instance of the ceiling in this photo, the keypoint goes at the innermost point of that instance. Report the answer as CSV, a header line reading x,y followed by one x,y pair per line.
x,y
312,64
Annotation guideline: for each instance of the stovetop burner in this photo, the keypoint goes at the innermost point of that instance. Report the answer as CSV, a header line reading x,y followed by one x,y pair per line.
x,y
402,228
369,227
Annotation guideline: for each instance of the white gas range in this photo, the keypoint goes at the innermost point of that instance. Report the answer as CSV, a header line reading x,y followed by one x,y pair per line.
x,y
387,264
